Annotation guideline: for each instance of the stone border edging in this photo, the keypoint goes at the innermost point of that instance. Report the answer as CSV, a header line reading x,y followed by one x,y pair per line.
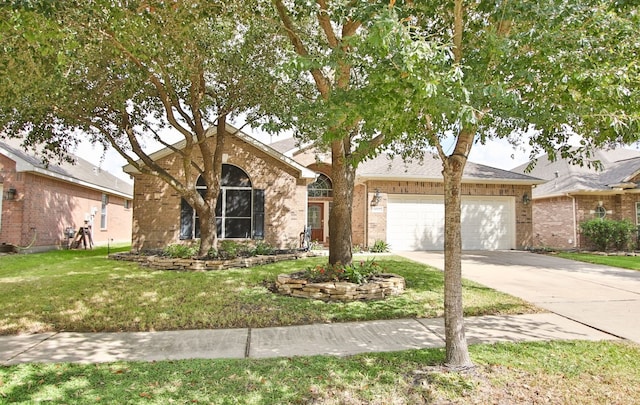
x,y
378,287
170,263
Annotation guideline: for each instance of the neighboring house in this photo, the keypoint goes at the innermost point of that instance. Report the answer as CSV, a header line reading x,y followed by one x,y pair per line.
x,y
574,194
403,203
40,203
273,192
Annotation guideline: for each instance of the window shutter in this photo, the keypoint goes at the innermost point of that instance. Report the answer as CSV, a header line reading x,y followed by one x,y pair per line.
x,y
258,214
186,220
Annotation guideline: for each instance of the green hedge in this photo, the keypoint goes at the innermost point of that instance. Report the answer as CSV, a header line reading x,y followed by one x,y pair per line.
x,y
606,234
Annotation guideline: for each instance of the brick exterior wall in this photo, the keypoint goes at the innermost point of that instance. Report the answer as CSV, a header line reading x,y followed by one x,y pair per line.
x,y
156,217
553,223
553,218
44,206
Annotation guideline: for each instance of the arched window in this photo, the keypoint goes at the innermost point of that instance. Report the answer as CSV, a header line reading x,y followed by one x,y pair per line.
x,y
239,209
322,187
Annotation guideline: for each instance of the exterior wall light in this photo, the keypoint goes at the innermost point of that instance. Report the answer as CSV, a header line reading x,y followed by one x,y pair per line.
x,y
11,194
525,199
377,197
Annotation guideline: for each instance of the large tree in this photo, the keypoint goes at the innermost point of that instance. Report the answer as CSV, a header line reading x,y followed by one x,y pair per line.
x,y
340,46
442,76
541,72
132,73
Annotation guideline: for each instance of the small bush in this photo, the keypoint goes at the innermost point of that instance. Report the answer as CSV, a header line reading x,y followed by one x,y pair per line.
x,y
262,248
380,246
607,234
355,273
229,249
181,251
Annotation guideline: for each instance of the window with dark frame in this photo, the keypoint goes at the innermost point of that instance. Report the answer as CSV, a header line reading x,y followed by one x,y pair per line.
x,y
322,187
239,208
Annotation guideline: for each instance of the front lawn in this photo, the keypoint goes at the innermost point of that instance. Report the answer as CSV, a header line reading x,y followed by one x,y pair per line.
x,y
515,373
83,291
624,262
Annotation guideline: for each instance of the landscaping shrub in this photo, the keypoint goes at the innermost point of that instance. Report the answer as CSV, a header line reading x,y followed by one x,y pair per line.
x,y
606,234
380,246
227,249
262,248
181,251
355,273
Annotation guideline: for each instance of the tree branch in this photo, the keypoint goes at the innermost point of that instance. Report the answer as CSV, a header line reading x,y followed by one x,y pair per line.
x,y
321,81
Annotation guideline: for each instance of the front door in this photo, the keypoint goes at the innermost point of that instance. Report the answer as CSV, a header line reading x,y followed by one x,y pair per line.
x,y
315,221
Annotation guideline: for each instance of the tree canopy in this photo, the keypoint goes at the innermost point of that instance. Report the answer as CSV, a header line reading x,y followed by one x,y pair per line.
x,y
130,73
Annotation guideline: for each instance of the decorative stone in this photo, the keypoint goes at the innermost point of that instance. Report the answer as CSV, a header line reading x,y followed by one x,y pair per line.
x,y
378,287
168,263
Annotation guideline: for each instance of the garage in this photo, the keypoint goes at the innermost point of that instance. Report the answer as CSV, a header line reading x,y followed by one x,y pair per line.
x,y
416,222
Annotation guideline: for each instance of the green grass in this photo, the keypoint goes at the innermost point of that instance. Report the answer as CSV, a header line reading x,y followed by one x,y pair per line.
x,y
624,262
84,291
523,373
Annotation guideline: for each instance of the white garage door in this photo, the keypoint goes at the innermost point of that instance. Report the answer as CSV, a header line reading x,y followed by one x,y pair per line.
x,y
417,222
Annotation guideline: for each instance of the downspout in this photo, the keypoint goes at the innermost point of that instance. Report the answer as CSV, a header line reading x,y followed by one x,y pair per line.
x,y
575,222
366,215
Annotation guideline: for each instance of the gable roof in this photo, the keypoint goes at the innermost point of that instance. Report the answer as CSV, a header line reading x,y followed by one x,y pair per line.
x,y
620,166
285,146
82,173
231,130
385,167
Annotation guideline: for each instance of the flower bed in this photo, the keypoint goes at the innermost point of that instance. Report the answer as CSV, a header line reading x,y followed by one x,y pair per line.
x,y
193,264
376,287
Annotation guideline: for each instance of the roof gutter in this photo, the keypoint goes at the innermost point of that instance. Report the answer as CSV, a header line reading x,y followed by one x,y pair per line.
x,y
465,180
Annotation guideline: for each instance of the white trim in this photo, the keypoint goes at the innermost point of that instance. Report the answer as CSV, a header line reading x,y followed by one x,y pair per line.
x,y
465,180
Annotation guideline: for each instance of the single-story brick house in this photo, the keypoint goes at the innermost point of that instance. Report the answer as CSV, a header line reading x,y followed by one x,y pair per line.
x,y
573,194
285,188
40,203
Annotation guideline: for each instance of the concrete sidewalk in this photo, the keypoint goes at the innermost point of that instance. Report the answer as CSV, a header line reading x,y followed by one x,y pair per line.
x,y
338,339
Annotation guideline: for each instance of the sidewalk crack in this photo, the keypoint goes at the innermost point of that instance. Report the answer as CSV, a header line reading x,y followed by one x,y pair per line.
x,y
247,349
38,343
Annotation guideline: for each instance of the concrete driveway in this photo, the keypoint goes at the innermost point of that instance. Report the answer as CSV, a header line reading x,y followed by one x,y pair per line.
x,y
605,298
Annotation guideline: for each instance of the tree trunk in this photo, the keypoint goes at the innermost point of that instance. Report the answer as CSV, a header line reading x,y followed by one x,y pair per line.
x,y
212,174
208,231
457,353
343,176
